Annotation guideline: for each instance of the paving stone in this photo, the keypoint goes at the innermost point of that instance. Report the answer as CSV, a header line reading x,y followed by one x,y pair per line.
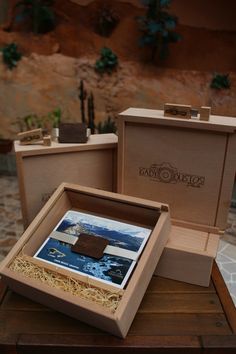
x,y
222,245
11,226
222,259
229,267
230,251
226,275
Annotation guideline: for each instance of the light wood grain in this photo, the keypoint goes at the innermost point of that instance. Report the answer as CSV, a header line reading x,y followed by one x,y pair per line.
x,y
41,169
69,196
190,165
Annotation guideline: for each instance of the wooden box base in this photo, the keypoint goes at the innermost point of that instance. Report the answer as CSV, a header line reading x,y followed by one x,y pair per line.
x,y
110,205
188,256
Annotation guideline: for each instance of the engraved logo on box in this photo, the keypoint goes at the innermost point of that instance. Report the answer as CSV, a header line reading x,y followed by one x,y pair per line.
x,y
166,173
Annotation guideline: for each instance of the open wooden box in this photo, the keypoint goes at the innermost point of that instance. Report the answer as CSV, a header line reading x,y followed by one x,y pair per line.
x,y
114,206
41,169
189,164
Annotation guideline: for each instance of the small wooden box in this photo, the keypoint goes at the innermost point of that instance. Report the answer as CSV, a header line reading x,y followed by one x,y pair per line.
x,y
72,133
42,169
190,165
188,256
110,205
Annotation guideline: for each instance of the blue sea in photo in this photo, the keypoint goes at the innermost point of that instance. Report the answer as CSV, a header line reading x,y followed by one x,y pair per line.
x,y
112,269
119,234
109,268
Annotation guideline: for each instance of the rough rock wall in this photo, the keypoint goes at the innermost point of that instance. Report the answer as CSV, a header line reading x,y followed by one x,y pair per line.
x,y
211,14
3,10
41,83
38,85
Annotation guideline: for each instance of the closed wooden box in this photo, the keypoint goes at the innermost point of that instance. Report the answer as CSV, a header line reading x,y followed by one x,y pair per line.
x,y
41,169
189,164
188,255
110,205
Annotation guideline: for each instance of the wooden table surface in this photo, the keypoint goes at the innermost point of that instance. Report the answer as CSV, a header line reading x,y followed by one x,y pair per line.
x,y
174,317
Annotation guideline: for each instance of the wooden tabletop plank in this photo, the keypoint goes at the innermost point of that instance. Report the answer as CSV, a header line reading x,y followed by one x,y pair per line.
x,y
42,322
225,297
144,324
179,324
181,303
152,303
173,318
106,344
8,349
159,285
219,344
3,290
14,301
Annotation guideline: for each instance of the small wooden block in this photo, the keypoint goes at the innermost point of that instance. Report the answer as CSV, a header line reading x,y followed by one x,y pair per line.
x,y
47,140
177,111
30,137
205,113
72,133
164,207
89,245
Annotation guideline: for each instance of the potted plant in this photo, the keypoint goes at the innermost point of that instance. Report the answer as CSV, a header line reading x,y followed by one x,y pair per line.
x,y
54,118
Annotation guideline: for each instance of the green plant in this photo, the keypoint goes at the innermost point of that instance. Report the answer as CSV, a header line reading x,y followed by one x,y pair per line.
x,y
158,27
40,14
11,55
220,81
82,97
91,115
108,61
106,21
90,107
29,122
108,126
34,121
54,117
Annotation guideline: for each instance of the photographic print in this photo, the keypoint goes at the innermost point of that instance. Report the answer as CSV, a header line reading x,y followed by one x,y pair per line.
x,y
109,269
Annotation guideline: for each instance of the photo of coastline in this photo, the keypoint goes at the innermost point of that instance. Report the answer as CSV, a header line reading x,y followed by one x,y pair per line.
x,y
110,269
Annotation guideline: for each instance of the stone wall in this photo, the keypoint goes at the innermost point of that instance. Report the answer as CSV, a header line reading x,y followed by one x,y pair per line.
x,y
41,83
38,85
3,10
211,14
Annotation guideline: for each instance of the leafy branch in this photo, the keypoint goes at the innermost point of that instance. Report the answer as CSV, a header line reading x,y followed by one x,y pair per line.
x,y
158,28
39,12
11,55
107,62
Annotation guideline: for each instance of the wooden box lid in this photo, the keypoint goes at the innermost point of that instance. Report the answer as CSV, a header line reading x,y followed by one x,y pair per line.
x,y
189,164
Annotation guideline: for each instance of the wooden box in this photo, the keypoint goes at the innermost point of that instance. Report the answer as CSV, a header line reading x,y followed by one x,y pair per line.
x,y
42,169
190,165
114,206
188,256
